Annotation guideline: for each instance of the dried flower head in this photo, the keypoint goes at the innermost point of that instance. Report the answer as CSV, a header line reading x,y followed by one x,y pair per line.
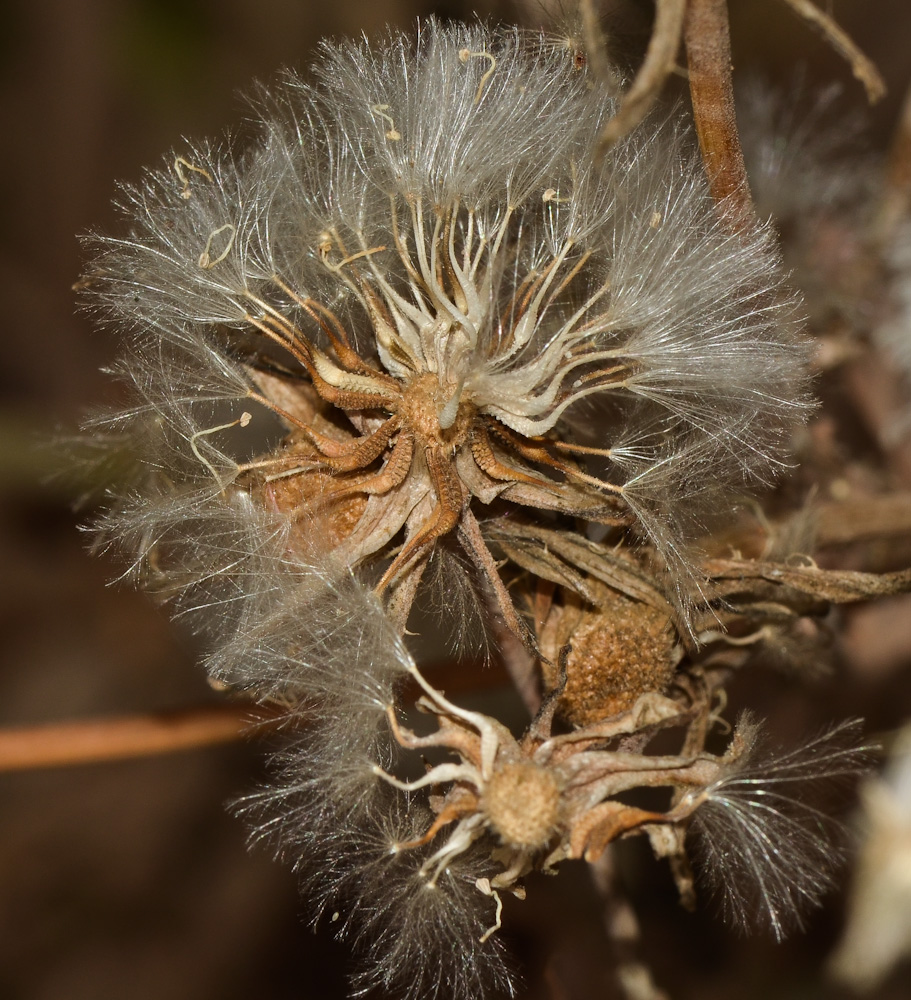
x,y
417,880
413,308
417,296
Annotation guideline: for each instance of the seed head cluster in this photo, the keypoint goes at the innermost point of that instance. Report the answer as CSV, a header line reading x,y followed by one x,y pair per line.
x,y
415,318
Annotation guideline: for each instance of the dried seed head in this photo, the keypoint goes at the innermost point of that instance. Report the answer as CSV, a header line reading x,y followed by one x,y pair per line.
x,y
522,804
420,271
618,650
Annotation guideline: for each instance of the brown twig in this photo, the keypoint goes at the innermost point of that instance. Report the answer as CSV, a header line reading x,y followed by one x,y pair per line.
x,y
63,744
633,976
660,58
92,741
708,52
862,67
863,519
595,47
521,665
895,202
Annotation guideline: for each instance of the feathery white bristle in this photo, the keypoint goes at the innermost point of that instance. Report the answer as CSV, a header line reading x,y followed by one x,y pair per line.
x,y
766,848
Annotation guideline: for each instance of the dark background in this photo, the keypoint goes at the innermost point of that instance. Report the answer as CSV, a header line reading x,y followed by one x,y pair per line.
x,y
129,880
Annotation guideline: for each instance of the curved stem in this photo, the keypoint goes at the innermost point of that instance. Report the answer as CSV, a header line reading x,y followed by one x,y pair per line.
x,y
659,63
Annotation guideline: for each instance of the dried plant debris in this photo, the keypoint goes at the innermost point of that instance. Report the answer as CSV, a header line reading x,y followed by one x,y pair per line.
x,y
878,932
416,323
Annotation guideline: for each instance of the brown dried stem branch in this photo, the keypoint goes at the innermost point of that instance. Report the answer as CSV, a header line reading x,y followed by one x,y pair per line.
x,y
595,46
896,197
91,741
708,52
861,66
864,518
660,58
63,744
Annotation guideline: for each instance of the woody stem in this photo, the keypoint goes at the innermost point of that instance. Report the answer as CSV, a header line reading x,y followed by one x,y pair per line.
x,y
708,51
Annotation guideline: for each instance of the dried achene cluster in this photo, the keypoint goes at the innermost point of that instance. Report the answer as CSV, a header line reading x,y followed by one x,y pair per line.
x,y
611,649
416,320
416,300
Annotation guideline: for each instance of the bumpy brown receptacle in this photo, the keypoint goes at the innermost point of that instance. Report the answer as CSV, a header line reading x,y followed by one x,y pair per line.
x,y
619,649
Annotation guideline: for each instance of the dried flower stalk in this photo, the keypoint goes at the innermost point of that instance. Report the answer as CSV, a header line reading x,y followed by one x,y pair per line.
x,y
660,59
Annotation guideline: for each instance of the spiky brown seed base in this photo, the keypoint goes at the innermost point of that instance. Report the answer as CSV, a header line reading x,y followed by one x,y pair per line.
x,y
522,803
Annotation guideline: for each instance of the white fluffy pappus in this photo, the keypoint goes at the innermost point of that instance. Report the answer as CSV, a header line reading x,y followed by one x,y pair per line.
x,y
422,240
765,845
327,813
411,938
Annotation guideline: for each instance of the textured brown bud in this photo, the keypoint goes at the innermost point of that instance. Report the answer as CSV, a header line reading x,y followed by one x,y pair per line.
x,y
618,650
522,803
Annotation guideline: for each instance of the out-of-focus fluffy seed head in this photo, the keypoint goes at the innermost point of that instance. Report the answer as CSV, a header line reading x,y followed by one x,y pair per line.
x,y
847,244
802,150
767,848
420,272
805,151
414,937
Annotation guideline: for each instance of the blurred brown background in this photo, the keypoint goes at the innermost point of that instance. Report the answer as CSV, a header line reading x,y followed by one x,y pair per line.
x,y
129,880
